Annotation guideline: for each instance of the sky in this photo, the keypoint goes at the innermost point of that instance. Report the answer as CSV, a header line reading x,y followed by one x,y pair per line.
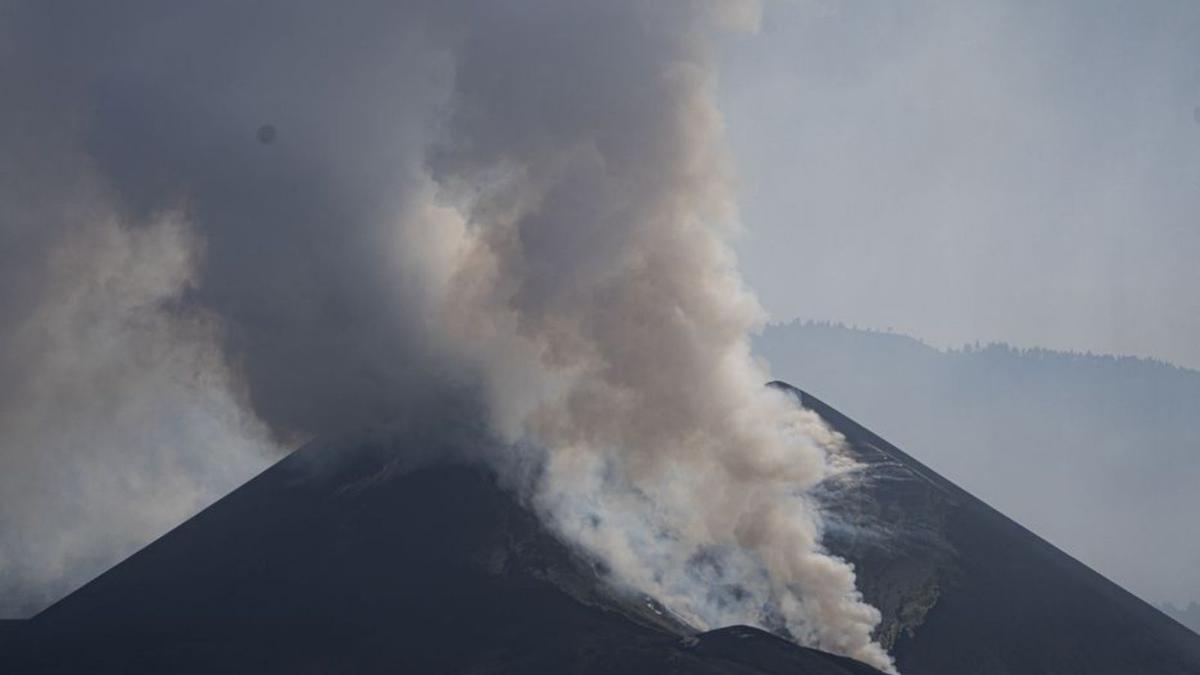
x,y
1012,171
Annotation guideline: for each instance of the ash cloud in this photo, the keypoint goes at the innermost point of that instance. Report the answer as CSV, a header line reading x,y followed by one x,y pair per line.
x,y
525,206
182,302
314,243
110,386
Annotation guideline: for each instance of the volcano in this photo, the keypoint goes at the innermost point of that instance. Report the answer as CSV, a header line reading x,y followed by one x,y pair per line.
x,y
352,557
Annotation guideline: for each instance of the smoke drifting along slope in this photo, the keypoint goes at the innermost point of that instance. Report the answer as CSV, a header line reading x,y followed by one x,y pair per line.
x,y
518,204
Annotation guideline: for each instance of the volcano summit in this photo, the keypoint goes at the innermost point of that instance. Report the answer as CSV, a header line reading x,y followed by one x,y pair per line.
x,y
345,558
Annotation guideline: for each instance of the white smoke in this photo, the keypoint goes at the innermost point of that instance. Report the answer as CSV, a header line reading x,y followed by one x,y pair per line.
x,y
530,200
594,260
127,421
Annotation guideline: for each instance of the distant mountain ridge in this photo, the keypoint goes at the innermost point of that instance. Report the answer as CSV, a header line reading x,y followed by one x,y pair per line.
x,y
1098,454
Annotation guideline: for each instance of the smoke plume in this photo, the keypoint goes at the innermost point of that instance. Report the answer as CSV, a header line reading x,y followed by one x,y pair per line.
x,y
594,258
524,206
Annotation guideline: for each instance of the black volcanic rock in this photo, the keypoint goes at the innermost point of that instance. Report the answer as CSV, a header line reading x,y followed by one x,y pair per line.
x,y
348,562
964,589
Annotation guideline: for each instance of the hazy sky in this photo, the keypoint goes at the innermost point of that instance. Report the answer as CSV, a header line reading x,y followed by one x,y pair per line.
x,y
1019,171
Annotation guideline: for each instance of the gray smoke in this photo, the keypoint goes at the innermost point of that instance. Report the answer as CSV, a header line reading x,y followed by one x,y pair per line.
x,y
182,302
525,205
119,416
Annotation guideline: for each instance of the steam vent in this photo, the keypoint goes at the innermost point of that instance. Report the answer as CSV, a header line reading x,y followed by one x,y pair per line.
x,y
348,562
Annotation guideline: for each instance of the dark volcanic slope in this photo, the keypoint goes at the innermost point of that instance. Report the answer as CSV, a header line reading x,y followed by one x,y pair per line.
x,y
966,590
338,562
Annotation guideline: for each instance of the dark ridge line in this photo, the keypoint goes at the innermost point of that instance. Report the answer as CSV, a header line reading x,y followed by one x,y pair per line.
x,y
868,438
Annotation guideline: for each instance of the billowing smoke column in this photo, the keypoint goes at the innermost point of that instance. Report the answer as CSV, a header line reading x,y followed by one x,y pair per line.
x,y
519,207
593,259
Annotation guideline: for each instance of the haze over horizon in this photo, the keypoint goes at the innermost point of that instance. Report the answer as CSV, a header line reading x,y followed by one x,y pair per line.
x,y
1026,173
965,345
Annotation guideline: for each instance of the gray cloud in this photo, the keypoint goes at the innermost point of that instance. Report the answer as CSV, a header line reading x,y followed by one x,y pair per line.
x,y
312,255
172,281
